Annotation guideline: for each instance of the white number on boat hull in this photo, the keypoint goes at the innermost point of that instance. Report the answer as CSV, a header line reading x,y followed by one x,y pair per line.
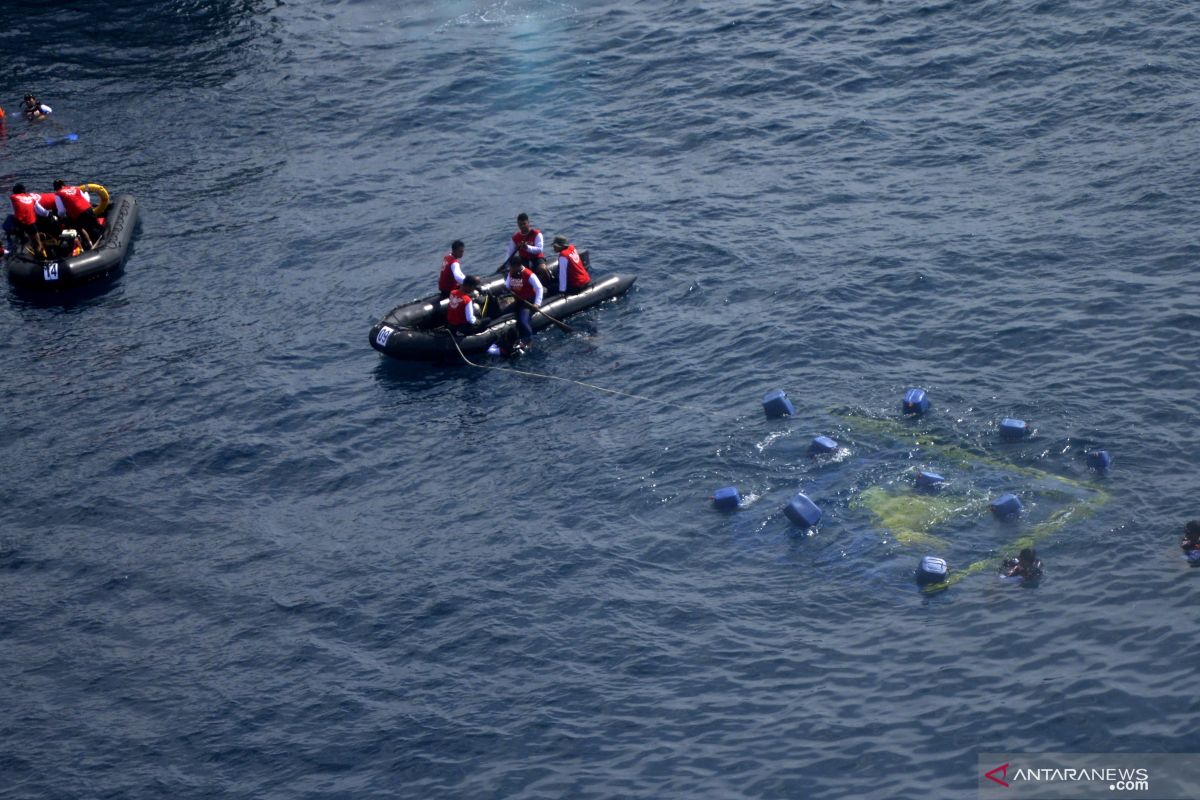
x,y
50,271
382,337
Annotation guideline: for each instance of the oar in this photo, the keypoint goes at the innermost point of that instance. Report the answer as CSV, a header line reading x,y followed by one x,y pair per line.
x,y
564,326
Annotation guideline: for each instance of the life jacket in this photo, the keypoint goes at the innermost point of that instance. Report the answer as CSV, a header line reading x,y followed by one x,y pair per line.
x,y
521,285
523,240
23,208
69,244
577,274
446,280
456,311
74,201
47,200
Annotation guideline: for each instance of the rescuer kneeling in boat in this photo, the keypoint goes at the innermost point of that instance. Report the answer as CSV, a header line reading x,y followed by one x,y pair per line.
x,y
462,315
572,275
527,290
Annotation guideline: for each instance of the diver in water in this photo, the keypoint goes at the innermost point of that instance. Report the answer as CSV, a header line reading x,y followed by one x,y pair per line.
x,y
32,108
1191,541
1026,566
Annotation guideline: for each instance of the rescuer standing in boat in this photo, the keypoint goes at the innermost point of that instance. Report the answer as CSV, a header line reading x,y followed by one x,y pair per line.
x,y
451,275
527,289
528,245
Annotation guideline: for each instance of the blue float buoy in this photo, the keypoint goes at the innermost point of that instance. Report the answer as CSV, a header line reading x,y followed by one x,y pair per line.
x,y
929,480
822,444
915,402
802,511
932,570
1006,506
776,404
727,498
1013,428
1099,460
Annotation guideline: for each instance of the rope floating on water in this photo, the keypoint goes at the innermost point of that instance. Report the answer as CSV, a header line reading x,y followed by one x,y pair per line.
x,y
584,384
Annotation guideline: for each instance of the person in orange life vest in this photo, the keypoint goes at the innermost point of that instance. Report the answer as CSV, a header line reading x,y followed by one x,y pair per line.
x,y
75,204
69,244
524,284
31,217
528,245
462,315
451,275
572,275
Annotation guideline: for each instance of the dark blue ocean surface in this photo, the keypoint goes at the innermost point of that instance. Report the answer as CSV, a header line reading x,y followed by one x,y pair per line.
x,y
242,555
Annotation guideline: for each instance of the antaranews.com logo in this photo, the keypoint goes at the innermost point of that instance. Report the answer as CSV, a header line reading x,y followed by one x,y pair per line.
x,y
1085,776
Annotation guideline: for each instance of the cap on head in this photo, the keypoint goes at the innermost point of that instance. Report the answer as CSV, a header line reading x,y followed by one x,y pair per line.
x,y
559,242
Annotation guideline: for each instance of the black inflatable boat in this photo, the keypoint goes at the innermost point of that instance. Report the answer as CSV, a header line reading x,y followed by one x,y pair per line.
x,y
417,331
55,273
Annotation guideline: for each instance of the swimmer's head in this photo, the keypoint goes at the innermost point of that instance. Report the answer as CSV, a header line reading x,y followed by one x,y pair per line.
x,y
1027,556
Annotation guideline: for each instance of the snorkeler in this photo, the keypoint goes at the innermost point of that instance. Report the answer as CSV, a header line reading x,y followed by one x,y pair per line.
x,y
1191,540
35,109
1026,566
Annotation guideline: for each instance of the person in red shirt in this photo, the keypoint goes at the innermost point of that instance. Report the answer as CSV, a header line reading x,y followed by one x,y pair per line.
x,y
528,245
75,204
451,275
30,215
461,315
572,274
526,287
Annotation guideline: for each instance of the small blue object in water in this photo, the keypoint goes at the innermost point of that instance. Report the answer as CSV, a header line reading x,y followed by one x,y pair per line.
x,y
932,570
1013,428
915,402
776,404
802,511
1006,506
727,498
71,137
929,480
1099,460
822,444
1194,557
